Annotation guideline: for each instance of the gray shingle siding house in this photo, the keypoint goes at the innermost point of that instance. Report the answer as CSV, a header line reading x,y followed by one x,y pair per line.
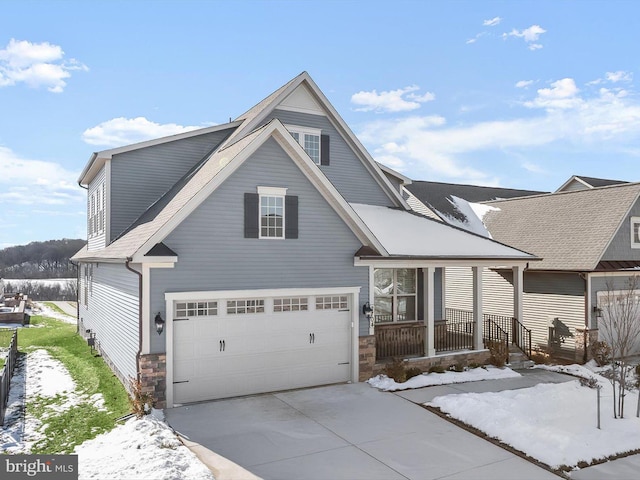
x,y
588,241
256,245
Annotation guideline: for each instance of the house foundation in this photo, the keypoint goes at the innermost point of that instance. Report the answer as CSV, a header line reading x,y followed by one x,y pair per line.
x,y
367,356
479,357
153,377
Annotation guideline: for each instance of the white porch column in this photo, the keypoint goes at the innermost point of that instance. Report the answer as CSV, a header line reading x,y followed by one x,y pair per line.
x,y
428,274
477,307
518,288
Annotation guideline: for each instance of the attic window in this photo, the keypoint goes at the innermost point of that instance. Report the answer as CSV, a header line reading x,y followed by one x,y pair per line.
x,y
635,232
309,139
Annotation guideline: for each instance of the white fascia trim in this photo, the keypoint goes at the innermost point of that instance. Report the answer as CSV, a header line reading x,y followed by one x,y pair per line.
x,y
107,154
306,165
439,263
275,191
620,273
160,262
266,292
393,173
107,207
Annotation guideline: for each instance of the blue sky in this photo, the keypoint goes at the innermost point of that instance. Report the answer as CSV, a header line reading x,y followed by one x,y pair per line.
x,y
517,94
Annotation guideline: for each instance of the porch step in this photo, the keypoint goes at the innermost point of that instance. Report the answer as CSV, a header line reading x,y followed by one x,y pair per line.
x,y
518,360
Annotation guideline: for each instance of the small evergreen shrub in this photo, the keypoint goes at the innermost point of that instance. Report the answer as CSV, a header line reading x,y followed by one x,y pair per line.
x,y
436,369
396,370
601,353
458,367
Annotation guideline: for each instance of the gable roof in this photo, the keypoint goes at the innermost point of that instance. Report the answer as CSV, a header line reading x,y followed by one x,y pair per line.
x,y
153,226
569,230
407,234
438,197
257,114
98,159
589,182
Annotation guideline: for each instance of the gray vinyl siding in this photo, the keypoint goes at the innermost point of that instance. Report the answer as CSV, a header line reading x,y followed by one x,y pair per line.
x,y
112,314
546,296
213,254
620,247
437,294
346,172
395,181
95,242
574,186
140,177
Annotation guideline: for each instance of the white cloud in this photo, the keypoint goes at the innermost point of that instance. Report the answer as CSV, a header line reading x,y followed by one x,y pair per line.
x,y
560,115
492,22
529,35
619,76
562,94
524,83
392,100
125,131
36,65
36,182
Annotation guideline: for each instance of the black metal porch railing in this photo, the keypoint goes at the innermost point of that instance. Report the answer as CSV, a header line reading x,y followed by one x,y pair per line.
x,y
520,335
453,335
8,343
398,340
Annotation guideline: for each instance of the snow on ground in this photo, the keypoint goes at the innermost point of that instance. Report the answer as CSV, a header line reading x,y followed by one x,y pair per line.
x,y
554,423
140,449
44,310
429,379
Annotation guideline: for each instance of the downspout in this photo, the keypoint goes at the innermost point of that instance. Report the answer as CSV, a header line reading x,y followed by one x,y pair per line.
x,y
126,264
78,278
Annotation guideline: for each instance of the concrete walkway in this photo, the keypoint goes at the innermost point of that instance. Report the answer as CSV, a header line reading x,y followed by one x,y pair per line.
x,y
67,308
627,468
345,432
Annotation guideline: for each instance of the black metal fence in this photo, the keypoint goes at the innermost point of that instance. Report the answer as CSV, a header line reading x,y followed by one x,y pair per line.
x,y
8,342
454,335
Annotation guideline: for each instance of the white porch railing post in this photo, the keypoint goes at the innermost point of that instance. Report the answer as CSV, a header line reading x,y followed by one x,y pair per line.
x,y
477,307
518,282
429,311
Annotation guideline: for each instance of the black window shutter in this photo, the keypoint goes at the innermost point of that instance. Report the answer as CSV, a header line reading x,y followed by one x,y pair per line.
x,y
324,149
291,216
251,215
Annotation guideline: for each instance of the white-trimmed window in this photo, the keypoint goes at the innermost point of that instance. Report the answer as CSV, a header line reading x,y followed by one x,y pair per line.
x,y
293,304
635,232
245,305
195,309
395,294
96,210
309,139
271,212
331,303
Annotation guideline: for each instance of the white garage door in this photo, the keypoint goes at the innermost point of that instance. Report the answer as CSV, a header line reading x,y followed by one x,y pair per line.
x,y
244,345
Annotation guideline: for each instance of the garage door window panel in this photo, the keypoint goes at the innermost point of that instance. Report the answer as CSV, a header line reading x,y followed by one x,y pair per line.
x,y
332,303
293,304
195,309
249,305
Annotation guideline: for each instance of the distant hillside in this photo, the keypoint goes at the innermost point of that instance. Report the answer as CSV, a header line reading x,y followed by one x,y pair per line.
x,y
48,259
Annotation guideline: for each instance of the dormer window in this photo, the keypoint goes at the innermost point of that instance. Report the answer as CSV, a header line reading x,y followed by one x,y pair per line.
x,y
309,139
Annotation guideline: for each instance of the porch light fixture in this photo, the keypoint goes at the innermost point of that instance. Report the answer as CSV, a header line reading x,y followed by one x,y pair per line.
x,y
367,310
159,324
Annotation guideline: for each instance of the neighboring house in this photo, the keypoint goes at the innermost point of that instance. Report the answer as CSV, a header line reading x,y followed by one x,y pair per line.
x,y
589,241
244,258
456,204
582,183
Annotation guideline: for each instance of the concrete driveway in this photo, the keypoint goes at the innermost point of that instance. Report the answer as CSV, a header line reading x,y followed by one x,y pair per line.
x,y
348,432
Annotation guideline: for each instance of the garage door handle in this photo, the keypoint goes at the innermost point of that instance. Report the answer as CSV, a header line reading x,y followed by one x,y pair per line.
x,y
223,345
312,338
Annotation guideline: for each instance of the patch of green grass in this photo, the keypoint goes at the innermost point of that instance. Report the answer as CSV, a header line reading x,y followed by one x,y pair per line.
x,y
55,308
82,422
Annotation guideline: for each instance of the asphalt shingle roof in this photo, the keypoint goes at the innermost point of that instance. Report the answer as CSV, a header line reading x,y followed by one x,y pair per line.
x,y
569,230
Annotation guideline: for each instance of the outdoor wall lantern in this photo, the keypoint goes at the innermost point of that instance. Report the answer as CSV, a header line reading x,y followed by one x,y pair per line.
x,y
598,311
367,310
159,324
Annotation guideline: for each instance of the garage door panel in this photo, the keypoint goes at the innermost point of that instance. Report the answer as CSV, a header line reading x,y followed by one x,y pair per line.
x,y
261,352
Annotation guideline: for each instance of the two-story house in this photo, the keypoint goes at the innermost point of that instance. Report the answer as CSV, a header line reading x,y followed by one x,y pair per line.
x,y
267,253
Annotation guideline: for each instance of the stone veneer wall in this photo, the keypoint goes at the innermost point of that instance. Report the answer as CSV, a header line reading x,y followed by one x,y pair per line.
x,y
153,377
367,356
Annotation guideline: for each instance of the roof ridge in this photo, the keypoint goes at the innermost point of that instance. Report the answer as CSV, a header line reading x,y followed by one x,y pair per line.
x,y
555,194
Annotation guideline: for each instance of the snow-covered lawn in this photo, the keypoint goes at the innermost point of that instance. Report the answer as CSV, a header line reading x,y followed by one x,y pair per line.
x,y
553,423
139,449
429,379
